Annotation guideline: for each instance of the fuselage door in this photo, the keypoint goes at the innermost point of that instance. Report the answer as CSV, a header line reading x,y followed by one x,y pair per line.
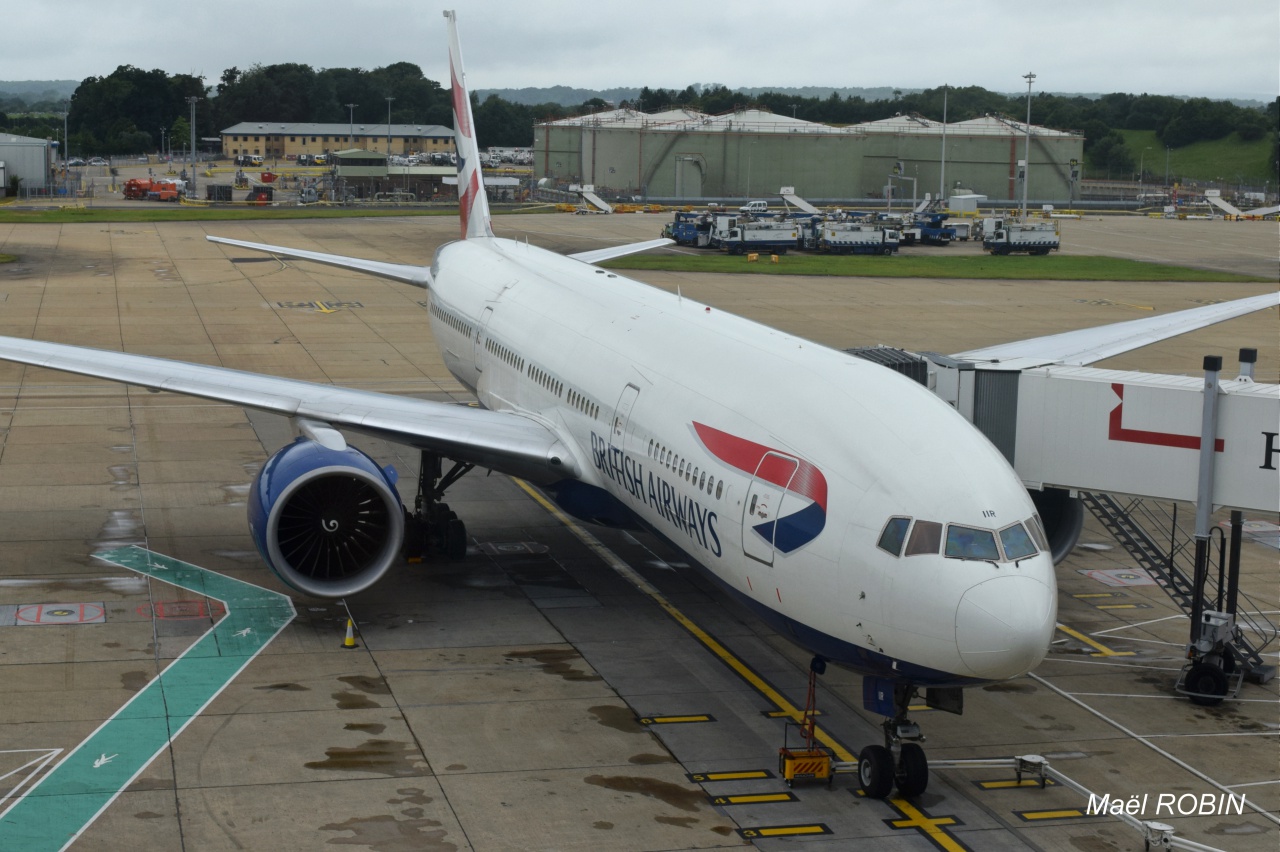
x,y
622,415
763,501
482,329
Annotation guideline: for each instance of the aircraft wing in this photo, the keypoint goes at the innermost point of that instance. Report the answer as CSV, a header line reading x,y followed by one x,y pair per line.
x,y
509,443
597,255
1079,348
419,276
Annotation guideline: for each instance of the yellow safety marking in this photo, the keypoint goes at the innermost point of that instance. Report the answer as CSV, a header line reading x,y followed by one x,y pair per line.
x,y
1065,813
1103,650
740,668
1101,595
919,708
930,827
755,799
674,720
782,831
783,714
1123,606
748,775
1005,785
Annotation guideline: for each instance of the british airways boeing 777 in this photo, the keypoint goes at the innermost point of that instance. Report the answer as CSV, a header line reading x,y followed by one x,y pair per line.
x,y
850,507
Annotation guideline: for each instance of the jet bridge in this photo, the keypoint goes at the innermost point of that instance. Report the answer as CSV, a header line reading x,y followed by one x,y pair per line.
x,y
1100,433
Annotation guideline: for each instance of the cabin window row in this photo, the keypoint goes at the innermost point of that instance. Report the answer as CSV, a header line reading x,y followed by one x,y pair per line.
x,y
960,541
686,470
451,320
542,377
503,353
583,404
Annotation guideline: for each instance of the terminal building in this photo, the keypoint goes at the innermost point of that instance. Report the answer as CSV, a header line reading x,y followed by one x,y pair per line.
x,y
686,154
283,140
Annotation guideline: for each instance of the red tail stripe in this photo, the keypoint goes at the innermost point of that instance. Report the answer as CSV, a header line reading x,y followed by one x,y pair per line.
x,y
750,457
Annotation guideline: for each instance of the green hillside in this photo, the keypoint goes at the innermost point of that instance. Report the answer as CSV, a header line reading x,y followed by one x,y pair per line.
x,y
1227,160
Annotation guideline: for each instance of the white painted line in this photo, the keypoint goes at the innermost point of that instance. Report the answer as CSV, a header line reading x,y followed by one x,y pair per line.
x,y
1138,624
1171,697
1119,665
1177,761
1251,784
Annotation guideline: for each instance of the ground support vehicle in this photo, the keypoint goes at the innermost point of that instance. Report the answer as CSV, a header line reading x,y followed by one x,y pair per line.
x,y
850,238
689,229
153,190
928,229
772,237
1012,237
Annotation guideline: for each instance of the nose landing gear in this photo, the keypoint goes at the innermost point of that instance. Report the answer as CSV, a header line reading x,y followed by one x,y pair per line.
x,y
878,771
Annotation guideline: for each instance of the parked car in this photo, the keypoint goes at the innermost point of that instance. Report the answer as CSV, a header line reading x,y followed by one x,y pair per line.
x,y
75,161
97,161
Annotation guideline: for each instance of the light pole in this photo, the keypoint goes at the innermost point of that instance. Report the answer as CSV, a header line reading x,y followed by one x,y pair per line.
x,y
351,126
1142,159
162,143
389,100
192,101
942,174
66,145
1166,168
1026,157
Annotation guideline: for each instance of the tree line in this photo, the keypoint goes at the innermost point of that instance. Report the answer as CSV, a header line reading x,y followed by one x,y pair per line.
x,y
127,110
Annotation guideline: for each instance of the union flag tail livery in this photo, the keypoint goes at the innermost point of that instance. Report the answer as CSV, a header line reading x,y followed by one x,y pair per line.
x,y
473,204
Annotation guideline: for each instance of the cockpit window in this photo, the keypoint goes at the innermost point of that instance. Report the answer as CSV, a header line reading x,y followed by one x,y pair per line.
x,y
895,532
1016,543
971,543
1037,533
926,537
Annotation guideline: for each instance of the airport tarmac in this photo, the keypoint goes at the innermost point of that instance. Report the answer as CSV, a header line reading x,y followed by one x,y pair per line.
x,y
565,687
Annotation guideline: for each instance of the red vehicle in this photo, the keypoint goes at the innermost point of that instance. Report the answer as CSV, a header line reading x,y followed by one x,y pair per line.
x,y
152,189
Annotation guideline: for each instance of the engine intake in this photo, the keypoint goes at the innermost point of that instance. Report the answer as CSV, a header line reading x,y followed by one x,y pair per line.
x,y
328,522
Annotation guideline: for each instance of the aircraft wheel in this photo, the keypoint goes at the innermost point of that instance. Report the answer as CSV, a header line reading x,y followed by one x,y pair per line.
x,y
455,539
875,771
1208,680
913,770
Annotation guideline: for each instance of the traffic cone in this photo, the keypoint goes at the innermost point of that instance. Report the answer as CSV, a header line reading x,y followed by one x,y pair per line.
x,y
350,642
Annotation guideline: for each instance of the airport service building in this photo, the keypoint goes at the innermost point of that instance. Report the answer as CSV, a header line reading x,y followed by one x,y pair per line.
x,y
686,154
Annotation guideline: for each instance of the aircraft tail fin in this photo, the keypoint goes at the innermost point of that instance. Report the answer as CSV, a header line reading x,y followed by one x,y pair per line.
x,y
473,204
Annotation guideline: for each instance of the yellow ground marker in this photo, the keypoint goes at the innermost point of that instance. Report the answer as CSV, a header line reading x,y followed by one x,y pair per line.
x,y
1007,785
1065,813
782,831
755,799
931,827
675,720
1103,650
745,775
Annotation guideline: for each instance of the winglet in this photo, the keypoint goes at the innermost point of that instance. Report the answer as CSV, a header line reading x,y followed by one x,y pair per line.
x,y
473,204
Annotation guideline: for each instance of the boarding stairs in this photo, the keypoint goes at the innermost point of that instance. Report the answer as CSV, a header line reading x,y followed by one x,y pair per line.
x,y
1138,525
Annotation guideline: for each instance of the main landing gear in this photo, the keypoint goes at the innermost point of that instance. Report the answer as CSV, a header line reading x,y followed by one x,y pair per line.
x,y
877,770
432,527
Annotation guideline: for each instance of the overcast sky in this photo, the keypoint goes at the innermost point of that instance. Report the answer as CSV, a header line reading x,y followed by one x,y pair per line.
x,y
1175,47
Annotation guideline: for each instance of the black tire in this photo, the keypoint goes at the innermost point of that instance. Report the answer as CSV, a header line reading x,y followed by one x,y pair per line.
x,y
888,251
818,666
455,539
875,771
913,771
1209,681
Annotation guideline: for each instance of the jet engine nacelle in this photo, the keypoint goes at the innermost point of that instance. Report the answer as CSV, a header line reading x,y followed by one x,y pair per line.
x,y
1063,518
328,522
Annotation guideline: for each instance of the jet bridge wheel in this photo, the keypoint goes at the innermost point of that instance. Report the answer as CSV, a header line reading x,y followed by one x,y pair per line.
x,y
1207,684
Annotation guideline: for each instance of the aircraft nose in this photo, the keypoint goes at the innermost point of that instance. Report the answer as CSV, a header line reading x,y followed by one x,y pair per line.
x,y
1004,625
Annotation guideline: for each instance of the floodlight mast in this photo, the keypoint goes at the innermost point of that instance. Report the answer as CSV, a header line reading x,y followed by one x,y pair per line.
x,y
1026,157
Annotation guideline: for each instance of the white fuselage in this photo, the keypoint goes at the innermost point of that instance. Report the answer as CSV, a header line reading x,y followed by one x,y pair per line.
x,y
773,462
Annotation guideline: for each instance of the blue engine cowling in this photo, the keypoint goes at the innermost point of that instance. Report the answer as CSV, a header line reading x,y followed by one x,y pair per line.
x,y
328,522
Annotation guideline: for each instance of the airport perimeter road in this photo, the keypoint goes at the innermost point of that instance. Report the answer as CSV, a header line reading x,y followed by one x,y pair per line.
x,y
543,694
